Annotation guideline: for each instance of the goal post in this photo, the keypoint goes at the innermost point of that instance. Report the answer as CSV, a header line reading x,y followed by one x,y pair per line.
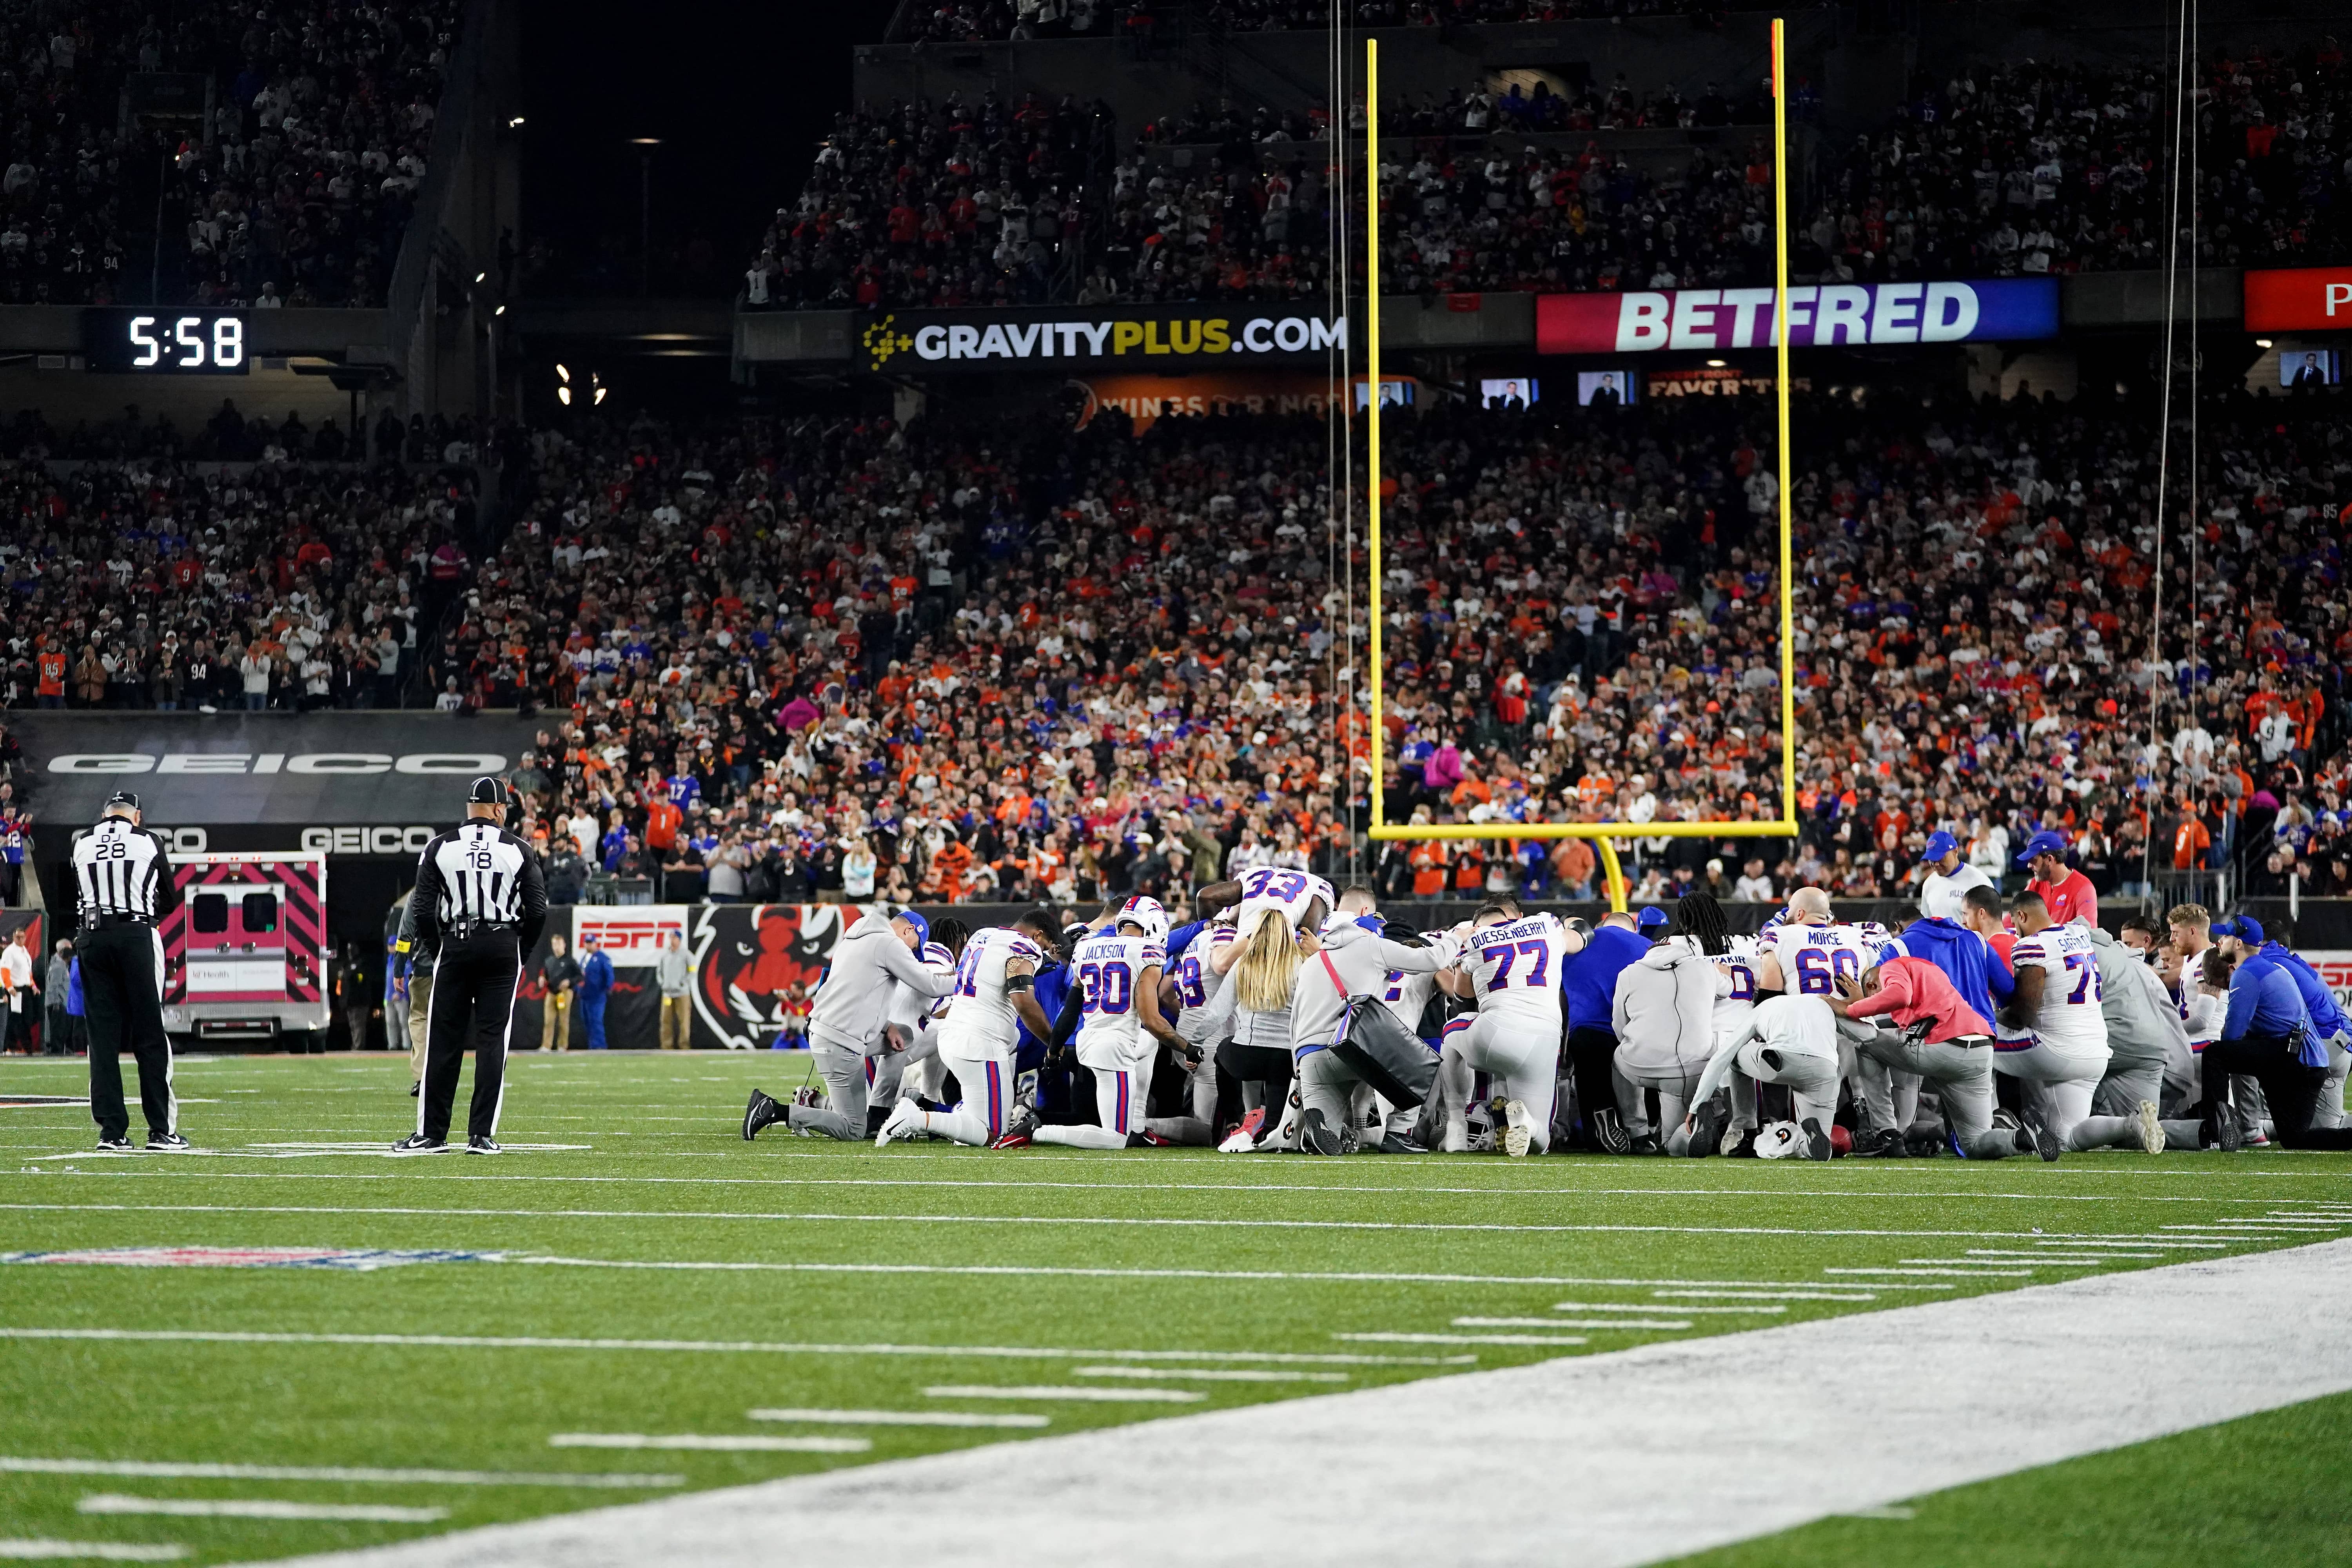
x,y
1603,835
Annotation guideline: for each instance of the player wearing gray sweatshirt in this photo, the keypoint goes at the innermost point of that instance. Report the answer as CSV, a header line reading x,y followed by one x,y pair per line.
x,y
876,954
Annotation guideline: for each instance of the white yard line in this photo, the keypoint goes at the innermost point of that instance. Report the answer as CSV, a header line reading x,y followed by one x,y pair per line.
x,y
1328,1276
257,1507
1076,1394
1563,1457
745,1443
1677,1308
1791,1295
1399,1338
719,1347
1631,1325
167,1470
959,1417
35,1550
1206,1374
1146,1222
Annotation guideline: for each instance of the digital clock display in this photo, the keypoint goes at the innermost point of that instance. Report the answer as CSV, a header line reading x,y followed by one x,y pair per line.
x,y
164,342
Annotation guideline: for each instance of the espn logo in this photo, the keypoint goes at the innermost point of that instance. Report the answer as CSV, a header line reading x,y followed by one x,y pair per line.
x,y
634,937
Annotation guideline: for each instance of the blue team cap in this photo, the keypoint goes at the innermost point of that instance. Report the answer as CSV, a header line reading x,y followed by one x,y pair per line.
x,y
1649,916
922,927
2042,843
2245,928
1940,844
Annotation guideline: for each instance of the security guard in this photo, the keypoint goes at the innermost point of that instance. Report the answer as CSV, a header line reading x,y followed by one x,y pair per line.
x,y
125,877
479,905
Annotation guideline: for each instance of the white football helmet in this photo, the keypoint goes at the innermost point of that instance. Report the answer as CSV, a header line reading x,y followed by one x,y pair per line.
x,y
1147,912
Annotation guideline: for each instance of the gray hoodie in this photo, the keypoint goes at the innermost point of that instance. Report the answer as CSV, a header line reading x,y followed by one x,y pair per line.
x,y
1664,1010
854,1003
2143,1022
1362,959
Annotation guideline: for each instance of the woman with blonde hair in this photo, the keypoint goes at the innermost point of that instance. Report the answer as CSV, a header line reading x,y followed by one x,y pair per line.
x,y
1273,933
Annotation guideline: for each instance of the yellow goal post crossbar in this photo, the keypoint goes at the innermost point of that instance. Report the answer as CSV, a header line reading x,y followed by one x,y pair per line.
x,y
1602,834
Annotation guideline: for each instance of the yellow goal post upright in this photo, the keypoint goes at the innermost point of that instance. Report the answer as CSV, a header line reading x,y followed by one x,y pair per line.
x,y
1603,835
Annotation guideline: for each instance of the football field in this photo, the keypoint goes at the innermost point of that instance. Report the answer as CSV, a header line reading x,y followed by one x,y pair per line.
x,y
291,1342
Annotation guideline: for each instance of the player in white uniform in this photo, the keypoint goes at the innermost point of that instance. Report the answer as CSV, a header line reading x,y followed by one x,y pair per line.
x,y
1788,1040
2052,1035
1193,991
1511,962
978,1038
909,1065
1261,961
1121,1029
1671,1007
1809,953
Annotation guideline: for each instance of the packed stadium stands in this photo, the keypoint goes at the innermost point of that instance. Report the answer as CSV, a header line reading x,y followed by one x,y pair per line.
x,y
215,154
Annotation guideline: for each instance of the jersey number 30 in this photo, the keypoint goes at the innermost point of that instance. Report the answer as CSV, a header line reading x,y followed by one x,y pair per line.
x,y
1106,987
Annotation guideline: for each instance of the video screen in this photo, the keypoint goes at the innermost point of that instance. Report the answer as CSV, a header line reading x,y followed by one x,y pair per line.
x,y
1393,394
2310,367
1495,393
1619,386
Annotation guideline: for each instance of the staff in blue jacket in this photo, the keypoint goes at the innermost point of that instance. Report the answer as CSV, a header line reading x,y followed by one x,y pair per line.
x,y
595,989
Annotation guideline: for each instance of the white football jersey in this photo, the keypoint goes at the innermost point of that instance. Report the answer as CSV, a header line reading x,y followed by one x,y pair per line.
x,y
1290,892
1813,959
980,1021
2071,1018
1109,971
1516,967
1199,1019
911,1013
1737,1000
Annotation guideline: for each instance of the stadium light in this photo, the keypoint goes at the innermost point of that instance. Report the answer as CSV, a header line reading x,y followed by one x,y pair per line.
x,y
1602,835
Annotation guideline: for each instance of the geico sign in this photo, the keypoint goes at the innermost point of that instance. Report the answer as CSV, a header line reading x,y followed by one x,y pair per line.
x,y
276,762
634,938
367,840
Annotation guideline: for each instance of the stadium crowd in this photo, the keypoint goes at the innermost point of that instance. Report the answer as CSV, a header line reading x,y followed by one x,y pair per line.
x,y
284,177
2034,168
973,21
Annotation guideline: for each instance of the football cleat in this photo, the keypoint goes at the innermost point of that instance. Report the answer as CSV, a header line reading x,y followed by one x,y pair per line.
x,y
2228,1135
1397,1143
1884,1144
415,1090
1602,1129
1739,1144
1149,1141
1315,1136
1520,1130
906,1118
2037,1135
1647,1144
1017,1129
117,1146
1707,1128
1817,1142
419,1143
2150,1130
760,1111
168,1143
483,1146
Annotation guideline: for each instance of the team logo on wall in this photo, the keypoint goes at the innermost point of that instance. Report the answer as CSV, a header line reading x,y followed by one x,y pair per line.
x,y
749,957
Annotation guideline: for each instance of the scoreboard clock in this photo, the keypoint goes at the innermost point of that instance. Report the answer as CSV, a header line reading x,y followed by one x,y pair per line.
x,y
164,341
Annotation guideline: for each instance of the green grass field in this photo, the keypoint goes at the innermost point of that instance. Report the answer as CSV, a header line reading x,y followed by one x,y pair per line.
x,y
801,1274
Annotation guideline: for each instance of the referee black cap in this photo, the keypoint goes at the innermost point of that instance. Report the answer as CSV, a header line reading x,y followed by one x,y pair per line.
x,y
122,797
489,790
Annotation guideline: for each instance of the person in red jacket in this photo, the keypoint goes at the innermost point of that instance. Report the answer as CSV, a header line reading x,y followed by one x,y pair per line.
x,y
2069,894
1937,1035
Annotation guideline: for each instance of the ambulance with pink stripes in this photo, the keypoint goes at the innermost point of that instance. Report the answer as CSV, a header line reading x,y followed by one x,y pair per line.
x,y
244,955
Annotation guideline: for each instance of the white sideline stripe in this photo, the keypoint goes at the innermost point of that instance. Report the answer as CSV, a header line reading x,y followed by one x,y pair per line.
x,y
1204,1374
1404,1339
1794,1295
1737,1418
752,1443
1626,1325
2051,1256
160,1469
1056,1391
1615,1307
1143,1221
257,1507
1977,1262
955,1417
2170,1244
724,1347
31,1549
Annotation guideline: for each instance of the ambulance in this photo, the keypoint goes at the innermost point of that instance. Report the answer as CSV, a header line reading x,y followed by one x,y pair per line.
x,y
244,955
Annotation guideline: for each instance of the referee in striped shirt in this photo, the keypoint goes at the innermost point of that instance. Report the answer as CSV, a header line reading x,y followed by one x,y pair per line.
x,y
479,904
124,877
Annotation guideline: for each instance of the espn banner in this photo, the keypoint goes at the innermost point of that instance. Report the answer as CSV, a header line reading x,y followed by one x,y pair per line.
x,y
1641,321
751,963
1073,337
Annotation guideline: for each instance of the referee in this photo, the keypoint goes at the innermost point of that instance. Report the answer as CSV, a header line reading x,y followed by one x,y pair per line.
x,y
479,905
125,881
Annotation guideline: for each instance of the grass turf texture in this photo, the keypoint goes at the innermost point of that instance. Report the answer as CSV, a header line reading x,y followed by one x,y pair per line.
x,y
2268,1488
664,1178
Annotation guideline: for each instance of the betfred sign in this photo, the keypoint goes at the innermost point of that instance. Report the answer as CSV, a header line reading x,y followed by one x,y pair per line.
x,y
633,935
1820,315
2303,298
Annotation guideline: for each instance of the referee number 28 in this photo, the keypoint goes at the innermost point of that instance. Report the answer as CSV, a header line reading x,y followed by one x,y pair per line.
x,y
112,849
